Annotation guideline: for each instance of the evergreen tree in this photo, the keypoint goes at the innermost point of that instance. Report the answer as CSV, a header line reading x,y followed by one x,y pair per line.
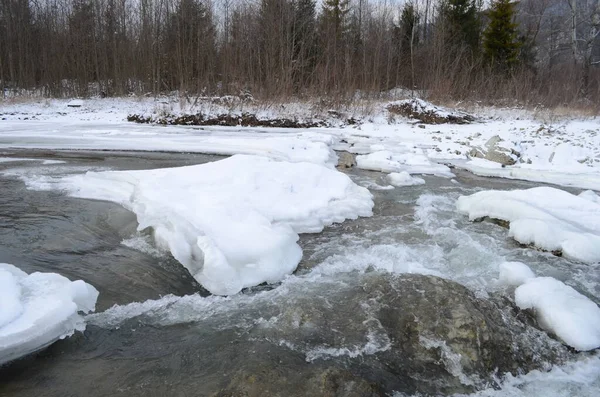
x,y
462,21
305,45
500,40
335,32
334,17
404,35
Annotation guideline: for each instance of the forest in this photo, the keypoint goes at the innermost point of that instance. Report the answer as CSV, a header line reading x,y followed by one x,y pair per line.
x,y
531,51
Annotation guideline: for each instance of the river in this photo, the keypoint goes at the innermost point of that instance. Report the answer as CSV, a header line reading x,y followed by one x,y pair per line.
x,y
188,346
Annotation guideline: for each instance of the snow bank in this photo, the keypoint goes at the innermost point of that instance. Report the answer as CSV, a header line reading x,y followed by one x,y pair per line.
x,y
413,161
404,179
515,273
289,146
590,196
38,309
562,311
233,223
549,218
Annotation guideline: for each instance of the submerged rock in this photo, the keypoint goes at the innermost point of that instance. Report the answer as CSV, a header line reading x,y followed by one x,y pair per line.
x,y
363,335
409,333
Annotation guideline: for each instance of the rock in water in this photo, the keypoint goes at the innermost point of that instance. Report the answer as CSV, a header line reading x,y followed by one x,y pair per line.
x,y
346,160
408,333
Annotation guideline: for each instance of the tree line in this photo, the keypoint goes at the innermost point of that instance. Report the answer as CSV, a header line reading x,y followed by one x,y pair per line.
x,y
537,51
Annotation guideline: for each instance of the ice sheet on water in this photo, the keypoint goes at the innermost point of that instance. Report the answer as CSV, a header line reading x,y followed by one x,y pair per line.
x,y
233,223
411,160
39,308
549,218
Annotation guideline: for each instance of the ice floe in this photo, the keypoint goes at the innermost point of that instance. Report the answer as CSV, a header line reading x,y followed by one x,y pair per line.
x,y
39,308
233,223
413,161
549,218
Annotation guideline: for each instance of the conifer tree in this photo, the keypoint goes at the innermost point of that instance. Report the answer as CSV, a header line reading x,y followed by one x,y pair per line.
x,y
462,22
500,39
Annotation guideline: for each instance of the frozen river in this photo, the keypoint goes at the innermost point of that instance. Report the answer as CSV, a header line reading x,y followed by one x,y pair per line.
x,y
156,331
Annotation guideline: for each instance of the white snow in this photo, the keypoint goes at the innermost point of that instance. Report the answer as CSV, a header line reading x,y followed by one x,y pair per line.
x,y
590,195
404,179
515,273
562,310
563,151
421,106
411,160
483,163
233,223
19,159
38,309
75,103
549,218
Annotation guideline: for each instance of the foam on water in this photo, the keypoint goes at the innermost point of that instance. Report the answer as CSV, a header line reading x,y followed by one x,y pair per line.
x,y
580,378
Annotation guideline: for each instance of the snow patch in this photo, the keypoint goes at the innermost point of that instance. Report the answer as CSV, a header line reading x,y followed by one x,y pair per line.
x,y
562,310
410,160
38,309
549,218
515,273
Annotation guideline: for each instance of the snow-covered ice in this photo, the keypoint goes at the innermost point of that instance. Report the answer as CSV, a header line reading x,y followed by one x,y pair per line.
x,y
562,310
232,223
413,161
404,179
515,273
549,218
39,308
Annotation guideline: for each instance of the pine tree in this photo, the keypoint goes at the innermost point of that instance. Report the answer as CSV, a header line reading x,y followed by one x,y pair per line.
x,y
462,22
500,39
334,32
305,44
405,37
334,15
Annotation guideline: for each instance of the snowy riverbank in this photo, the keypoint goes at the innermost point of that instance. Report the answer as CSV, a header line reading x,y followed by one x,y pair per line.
x,y
509,144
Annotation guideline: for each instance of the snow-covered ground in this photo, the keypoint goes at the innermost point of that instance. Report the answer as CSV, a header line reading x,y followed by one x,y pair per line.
x,y
565,152
39,308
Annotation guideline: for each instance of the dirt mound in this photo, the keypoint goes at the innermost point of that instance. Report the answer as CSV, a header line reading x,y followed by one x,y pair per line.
x,y
428,113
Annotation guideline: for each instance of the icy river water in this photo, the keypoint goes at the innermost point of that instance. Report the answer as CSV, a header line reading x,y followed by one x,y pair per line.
x,y
179,341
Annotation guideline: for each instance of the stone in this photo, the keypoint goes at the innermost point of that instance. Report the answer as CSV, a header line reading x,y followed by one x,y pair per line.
x,y
494,152
346,160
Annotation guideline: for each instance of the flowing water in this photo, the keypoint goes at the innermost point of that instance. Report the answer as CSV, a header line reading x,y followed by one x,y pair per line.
x,y
179,341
